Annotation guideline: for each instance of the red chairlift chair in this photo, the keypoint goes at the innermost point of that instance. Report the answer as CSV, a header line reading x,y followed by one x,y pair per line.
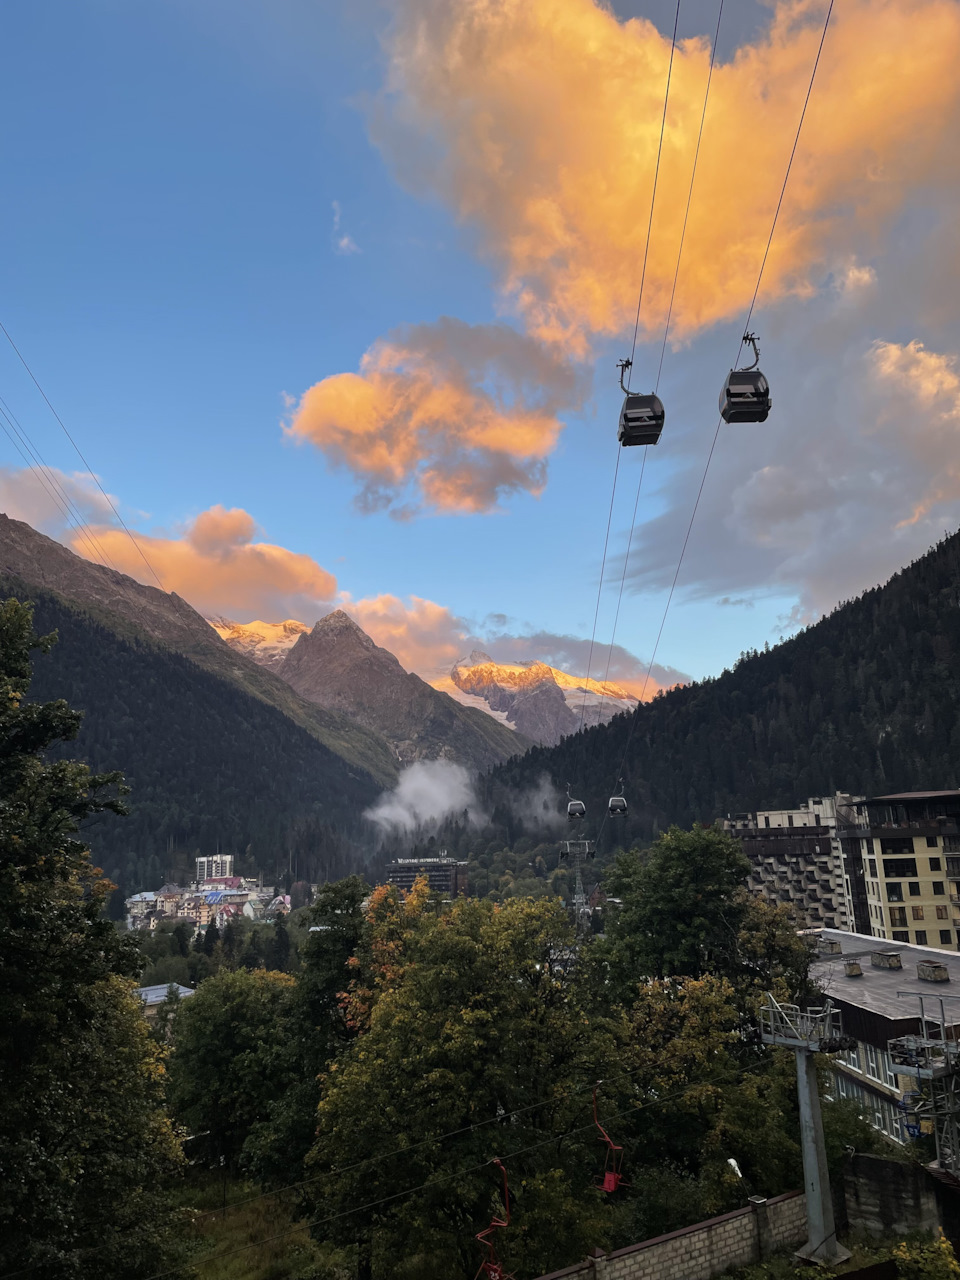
x,y
612,1178
491,1268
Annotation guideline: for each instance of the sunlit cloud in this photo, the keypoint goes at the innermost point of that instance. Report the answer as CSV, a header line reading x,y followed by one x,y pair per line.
x,y
538,122
218,567
448,417
52,500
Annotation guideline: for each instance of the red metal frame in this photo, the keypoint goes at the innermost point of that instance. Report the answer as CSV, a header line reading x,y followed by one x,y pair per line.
x,y
491,1268
612,1177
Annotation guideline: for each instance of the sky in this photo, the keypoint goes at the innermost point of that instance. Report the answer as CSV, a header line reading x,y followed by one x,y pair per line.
x,y
331,296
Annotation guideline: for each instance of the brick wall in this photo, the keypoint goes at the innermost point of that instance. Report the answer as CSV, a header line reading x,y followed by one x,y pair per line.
x,y
696,1253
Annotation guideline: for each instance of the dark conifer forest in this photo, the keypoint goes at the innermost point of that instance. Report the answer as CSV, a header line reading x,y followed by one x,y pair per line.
x,y
208,766
867,700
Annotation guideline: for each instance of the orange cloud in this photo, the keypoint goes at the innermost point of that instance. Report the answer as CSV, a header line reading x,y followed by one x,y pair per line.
x,y
425,637
218,567
538,122
449,416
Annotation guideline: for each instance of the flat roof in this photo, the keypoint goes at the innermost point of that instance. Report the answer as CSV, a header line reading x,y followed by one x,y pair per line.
x,y
159,993
876,990
911,795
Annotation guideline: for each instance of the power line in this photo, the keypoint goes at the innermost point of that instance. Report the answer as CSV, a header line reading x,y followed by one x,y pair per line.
x,y
716,435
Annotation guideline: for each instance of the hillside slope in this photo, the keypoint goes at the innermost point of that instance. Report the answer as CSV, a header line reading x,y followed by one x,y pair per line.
x,y
867,700
339,667
210,766
127,607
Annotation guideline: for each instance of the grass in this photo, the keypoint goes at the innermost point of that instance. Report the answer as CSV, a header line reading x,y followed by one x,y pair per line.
x,y
236,1243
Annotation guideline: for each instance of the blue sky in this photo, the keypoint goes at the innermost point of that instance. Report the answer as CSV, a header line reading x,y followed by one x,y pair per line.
x,y
178,179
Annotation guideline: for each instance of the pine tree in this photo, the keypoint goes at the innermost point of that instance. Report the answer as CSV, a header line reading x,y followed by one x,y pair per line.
x,y
85,1147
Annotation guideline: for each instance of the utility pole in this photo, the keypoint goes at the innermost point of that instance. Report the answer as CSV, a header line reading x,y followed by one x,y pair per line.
x,y
808,1032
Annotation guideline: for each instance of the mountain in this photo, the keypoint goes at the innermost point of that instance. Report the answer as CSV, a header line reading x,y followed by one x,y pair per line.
x,y
267,643
211,767
127,607
539,701
867,700
338,667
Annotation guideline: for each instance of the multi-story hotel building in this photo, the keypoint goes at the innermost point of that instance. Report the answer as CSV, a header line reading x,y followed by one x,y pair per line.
x,y
901,866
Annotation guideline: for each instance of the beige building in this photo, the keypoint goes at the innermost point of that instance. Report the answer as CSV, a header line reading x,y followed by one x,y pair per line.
x,y
901,856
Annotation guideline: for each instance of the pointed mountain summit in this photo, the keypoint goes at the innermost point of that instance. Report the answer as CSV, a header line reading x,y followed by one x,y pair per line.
x,y
339,667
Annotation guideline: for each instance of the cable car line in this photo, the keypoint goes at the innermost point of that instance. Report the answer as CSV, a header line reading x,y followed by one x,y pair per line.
x,y
666,332
433,1182
91,472
628,364
716,434
46,477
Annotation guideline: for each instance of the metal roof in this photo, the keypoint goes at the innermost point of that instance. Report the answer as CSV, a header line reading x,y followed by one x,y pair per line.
x,y
876,989
157,995
912,795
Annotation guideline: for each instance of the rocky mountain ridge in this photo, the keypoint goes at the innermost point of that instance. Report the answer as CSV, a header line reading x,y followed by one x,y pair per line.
x,y
339,667
267,643
540,701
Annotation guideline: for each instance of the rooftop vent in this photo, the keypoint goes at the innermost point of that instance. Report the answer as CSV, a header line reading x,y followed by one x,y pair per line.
x,y
933,971
886,959
852,969
829,947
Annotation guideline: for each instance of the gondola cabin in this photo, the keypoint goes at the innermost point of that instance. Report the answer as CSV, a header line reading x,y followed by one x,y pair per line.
x,y
617,807
576,810
745,396
641,420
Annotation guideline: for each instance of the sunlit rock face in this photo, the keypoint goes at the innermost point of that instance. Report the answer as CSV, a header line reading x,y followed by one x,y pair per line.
x,y
539,701
265,642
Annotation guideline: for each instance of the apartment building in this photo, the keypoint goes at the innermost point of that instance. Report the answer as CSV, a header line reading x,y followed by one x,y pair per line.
x,y
901,866
444,875
796,858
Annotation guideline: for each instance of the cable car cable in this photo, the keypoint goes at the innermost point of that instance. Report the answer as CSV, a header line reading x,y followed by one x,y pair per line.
x,y
636,327
18,435
96,479
433,1182
666,332
716,435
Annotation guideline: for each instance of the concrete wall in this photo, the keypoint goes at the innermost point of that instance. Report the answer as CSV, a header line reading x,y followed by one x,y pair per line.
x,y
887,1196
696,1253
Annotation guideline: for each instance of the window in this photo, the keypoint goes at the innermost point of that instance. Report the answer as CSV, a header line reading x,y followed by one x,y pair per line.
x,y
917,913
894,891
766,822
898,917
914,887
901,935
921,937
872,1054
789,819
934,864
851,1058
953,867
932,843
899,868
937,888
945,937
942,914
896,844
873,866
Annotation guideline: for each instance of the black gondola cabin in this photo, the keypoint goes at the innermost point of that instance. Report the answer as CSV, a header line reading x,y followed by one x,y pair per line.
x,y
641,420
745,396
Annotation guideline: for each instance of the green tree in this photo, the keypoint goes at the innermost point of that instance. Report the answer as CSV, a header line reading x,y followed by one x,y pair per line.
x,y
278,948
463,1016
211,937
234,1056
85,1148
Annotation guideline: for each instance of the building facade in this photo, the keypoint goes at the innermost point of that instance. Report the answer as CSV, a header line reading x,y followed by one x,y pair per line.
x,y
444,875
215,867
796,858
901,866
876,988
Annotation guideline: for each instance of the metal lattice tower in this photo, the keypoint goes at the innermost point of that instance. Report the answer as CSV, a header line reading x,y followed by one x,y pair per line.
x,y
807,1032
933,1057
578,850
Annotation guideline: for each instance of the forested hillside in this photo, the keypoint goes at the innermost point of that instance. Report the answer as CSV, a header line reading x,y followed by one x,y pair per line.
x,y
867,700
210,767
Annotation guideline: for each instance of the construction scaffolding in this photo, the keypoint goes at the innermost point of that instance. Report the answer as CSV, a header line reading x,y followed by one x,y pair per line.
x,y
933,1058
808,1032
